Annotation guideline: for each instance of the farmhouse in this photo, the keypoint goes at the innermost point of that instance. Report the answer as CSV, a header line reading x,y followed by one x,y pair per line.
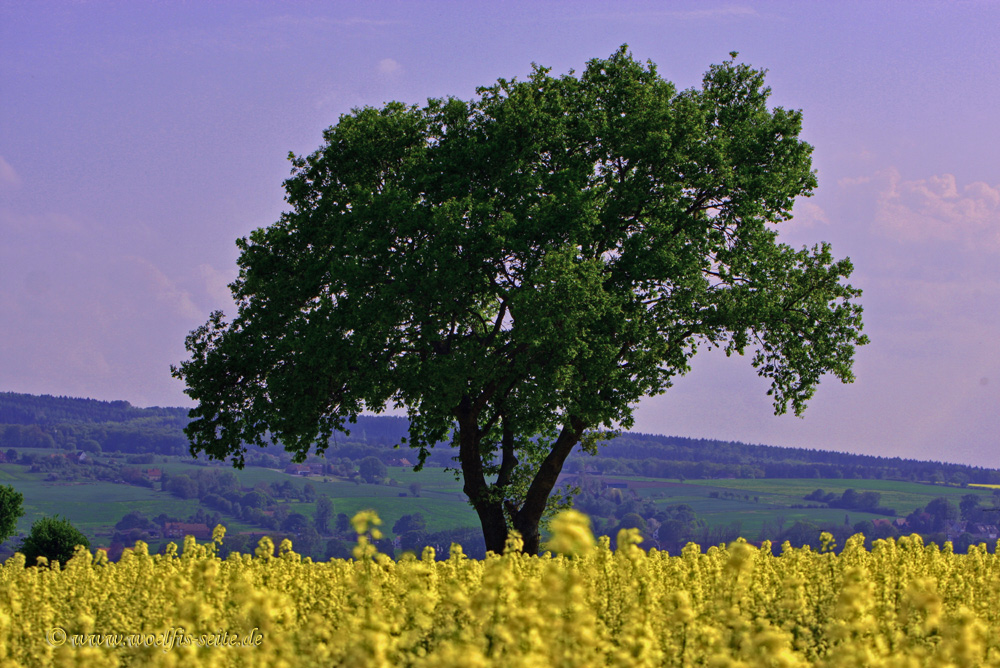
x,y
182,529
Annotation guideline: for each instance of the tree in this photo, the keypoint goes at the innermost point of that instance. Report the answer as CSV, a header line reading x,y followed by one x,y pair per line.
x,y
11,511
338,549
407,523
969,506
183,486
518,270
134,519
941,510
324,514
632,521
295,523
413,541
372,470
308,542
53,538
255,499
849,499
869,499
865,527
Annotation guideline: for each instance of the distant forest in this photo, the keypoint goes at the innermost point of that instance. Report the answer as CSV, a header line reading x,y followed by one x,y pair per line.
x,y
117,426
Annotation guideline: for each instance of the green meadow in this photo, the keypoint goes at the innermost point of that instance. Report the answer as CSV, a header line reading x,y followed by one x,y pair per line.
x,y
94,507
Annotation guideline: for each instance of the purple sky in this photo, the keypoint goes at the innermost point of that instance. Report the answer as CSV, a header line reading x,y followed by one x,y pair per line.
x,y
139,140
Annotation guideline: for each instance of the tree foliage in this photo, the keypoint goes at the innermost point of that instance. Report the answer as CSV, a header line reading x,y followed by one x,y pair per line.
x,y
53,538
518,270
414,522
372,470
11,511
324,514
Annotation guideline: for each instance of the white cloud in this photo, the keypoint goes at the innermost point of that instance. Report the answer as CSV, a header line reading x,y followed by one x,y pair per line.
x,y
806,214
8,176
939,209
388,66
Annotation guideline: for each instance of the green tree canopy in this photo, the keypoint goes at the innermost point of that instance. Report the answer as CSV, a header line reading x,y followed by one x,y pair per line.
x,y
518,270
372,470
324,514
53,538
414,522
11,511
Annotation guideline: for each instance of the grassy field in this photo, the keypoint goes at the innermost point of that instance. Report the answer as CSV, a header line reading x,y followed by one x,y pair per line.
x,y
771,501
95,507
441,499
905,497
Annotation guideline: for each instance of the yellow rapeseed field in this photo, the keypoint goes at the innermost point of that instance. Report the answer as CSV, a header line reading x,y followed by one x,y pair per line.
x,y
902,604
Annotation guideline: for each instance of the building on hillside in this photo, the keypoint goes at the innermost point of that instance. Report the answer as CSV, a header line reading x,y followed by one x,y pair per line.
x,y
952,530
984,531
182,529
400,461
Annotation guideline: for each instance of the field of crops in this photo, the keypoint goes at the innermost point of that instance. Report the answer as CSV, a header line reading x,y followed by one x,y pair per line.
x,y
902,604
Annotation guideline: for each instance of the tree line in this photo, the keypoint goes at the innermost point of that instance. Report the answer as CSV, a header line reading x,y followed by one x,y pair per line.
x,y
29,421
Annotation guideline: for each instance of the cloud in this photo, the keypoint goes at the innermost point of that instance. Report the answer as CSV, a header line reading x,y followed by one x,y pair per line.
x,y
388,66
215,283
805,215
9,178
938,209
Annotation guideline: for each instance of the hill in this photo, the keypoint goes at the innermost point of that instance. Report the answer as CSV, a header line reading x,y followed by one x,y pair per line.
x,y
100,463
90,425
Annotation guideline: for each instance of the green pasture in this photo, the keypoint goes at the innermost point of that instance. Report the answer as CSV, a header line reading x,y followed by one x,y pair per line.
x,y
770,501
904,497
95,507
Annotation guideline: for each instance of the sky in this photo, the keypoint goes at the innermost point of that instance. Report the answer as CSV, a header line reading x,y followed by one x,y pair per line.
x,y
139,140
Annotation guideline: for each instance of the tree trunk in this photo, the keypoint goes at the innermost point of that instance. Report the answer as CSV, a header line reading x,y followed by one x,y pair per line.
x,y
528,517
490,511
494,526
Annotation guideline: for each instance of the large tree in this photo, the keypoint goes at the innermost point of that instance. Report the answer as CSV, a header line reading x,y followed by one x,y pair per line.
x,y
518,270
